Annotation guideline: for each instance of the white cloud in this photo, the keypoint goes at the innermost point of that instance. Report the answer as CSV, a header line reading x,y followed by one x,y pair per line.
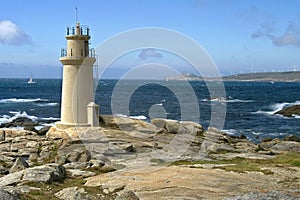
x,y
289,37
149,52
11,34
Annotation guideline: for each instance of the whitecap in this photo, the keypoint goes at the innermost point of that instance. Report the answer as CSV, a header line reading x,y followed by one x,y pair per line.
x,y
238,100
296,116
4,119
38,127
141,117
230,100
47,104
273,108
120,115
7,119
15,100
256,133
23,114
278,106
48,124
49,118
230,131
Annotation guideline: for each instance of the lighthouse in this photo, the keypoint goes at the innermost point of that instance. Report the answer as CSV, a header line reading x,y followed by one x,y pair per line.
x,y
77,98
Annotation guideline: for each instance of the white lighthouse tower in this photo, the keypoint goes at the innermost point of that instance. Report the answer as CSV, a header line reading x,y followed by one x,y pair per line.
x,y
77,101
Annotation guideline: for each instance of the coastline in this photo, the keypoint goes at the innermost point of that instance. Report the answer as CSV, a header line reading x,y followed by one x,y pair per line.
x,y
293,76
161,159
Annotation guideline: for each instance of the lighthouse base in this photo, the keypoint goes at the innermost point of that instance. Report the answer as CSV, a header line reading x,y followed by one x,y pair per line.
x,y
64,125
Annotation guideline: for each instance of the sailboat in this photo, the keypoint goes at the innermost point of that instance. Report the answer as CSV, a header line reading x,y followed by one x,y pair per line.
x,y
30,79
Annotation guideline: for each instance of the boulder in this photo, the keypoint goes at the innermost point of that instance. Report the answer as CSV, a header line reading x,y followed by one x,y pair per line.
x,y
11,179
5,195
279,146
107,121
286,146
76,165
72,193
74,151
159,122
128,124
290,111
56,134
127,195
19,165
46,173
13,133
76,173
216,141
96,163
3,170
268,144
20,121
292,138
31,128
44,130
172,126
190,128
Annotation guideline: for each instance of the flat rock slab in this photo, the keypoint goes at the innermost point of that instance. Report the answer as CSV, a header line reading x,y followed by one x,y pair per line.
x,y
72,193
46,173
177,182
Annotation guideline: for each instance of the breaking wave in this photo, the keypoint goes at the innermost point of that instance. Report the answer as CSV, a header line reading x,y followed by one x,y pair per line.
x,y
273,108
15,100
141,117
47,104
229,100
16,115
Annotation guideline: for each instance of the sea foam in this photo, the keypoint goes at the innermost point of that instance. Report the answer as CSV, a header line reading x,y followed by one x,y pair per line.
x,y
15,100
273,108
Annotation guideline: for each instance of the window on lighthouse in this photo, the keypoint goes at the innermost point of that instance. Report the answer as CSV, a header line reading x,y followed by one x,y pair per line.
x,y
86,48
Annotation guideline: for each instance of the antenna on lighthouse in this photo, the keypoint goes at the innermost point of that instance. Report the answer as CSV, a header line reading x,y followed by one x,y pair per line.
x,y
76,9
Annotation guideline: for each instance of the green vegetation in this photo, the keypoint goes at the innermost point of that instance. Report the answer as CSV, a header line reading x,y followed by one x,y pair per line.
x,y
265,76
47,191
241,165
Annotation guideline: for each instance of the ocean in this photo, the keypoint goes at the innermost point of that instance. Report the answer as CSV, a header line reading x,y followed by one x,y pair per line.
x,y
250,106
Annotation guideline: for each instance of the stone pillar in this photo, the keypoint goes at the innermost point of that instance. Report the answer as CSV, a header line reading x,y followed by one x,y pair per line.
x,y
92,114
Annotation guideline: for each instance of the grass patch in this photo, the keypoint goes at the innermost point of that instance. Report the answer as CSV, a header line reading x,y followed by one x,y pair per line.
x,y
242,165
216,162
47,191
290,158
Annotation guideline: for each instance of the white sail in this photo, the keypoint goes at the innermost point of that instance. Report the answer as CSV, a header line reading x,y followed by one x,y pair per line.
x,y
30,79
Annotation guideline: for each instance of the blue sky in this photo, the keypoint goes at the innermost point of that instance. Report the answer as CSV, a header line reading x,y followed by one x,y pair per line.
x,y
240,36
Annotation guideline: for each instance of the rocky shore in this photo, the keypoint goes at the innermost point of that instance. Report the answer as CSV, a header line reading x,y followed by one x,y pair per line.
x,y
126,158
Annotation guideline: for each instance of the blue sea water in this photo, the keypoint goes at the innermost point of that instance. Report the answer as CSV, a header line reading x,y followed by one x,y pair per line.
x,y
250,106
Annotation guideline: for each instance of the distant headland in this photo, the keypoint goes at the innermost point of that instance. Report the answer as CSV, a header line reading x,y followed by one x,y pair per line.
x,y
290,76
